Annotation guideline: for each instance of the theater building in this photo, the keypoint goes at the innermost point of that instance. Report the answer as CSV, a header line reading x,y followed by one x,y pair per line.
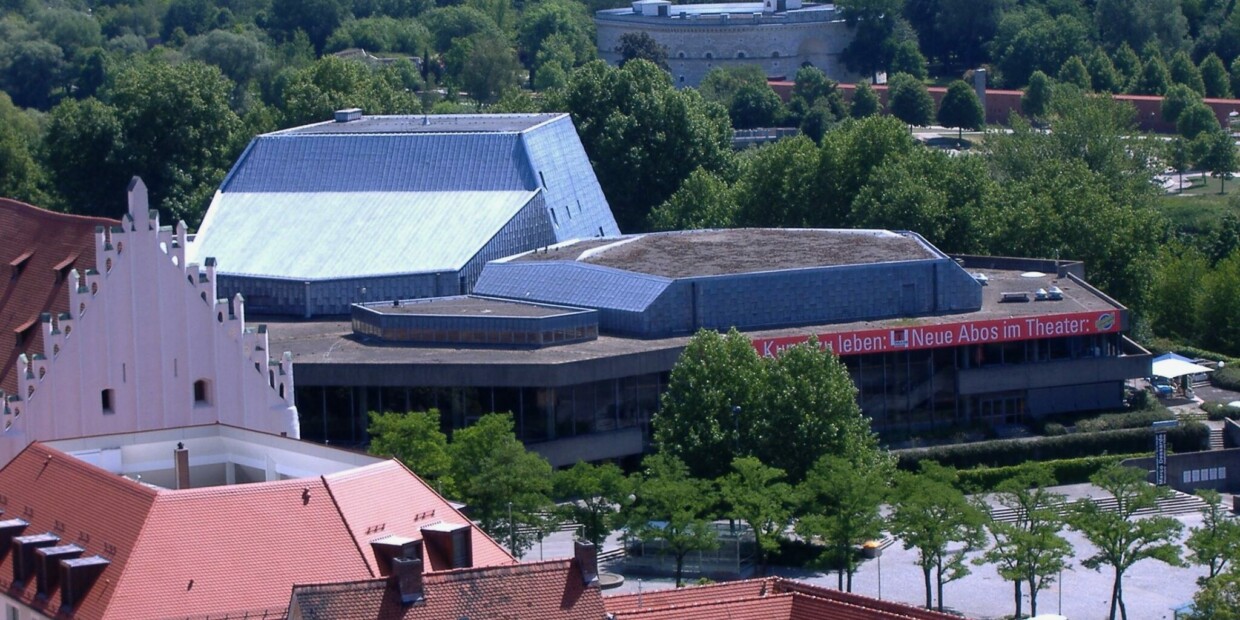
x,y
577,339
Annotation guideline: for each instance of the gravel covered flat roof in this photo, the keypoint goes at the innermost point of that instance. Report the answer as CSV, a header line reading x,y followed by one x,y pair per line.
x,y
743,250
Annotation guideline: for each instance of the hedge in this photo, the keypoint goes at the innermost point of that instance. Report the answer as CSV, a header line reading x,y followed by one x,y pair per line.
x,y
1065,471
1189,437
1227,378
1160,346
1219,411
1134,419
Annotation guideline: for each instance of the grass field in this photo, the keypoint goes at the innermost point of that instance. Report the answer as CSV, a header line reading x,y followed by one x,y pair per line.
x,y
1201,207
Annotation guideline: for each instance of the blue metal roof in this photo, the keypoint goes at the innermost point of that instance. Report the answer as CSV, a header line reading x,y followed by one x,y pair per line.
x,y
324,236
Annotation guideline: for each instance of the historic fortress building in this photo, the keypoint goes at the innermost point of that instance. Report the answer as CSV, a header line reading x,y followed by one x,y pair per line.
x,y
138,339
779,35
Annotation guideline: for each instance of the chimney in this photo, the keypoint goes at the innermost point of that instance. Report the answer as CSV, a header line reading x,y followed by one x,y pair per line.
x,y
586,555
180,463
348,115
451,542
390,548
23,553
407,579
76,577
47,561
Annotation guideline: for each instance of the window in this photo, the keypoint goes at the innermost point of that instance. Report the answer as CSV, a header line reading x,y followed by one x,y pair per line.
x,y
202,392
11,613
555,220
108,400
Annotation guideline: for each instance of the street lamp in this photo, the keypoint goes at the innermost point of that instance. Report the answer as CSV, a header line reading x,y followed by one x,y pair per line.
x,y
736,428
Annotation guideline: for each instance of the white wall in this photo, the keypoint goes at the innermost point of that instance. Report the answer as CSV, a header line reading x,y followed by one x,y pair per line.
x,y
147,326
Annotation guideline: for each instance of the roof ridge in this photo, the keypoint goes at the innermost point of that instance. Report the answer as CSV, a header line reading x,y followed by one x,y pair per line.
x,y
709,603
542,566
49,214
716,585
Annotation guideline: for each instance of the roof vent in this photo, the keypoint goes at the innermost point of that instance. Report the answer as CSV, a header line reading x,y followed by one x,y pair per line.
x,y
1013,297
76,577
348,115
1055,293
23,553
47,561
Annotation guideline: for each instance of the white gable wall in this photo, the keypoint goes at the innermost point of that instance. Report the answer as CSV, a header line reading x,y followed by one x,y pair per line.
x,y
144,330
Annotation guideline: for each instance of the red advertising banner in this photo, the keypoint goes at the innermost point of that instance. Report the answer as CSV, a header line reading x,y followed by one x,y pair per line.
x,y
952,334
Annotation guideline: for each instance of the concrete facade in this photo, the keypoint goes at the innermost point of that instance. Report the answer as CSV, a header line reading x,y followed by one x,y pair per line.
x,y
701,37
147,345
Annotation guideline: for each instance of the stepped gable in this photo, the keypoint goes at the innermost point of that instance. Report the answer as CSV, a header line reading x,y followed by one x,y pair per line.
x,y
38,248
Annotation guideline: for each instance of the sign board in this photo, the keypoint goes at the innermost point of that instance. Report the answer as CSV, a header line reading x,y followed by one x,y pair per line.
x,y
903,338
1160,458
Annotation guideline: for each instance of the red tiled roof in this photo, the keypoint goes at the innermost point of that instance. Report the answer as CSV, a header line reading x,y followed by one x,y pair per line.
x,y
761,599
551,590
47,240
210,551
387,498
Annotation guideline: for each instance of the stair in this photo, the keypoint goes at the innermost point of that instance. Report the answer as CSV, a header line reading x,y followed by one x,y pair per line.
x,y
1216,439
1174,504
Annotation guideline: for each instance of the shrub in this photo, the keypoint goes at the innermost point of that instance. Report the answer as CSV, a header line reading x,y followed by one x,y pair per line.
x,y
1135,419
1159,346
1219,411
1227,378
1065,471
1054,429
1189,437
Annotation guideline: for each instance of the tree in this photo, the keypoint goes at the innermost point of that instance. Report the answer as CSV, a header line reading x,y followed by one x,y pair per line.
x,y
1216,303
1178,98
567,23
965,27
1128,65
30,72
1154,78
840,505
240,57
908,59
416,440
1215,78
381,34
505,486
332,83
593,496
1219,599
629,119
1120,539
1214,543
1183,71
670,508
82,150
757,495
191,17
931,515
1104,78
1074,72
1197,119
755,106
642,46
873,23
816,104
490,68
1028,550
1036,100
961,109
864,101
702,201
909,101
1218,153
1234,74
317,18
721,84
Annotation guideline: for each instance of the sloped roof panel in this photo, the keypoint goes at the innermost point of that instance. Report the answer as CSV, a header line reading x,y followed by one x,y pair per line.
x,y
381,163
330,235
572,191
572,284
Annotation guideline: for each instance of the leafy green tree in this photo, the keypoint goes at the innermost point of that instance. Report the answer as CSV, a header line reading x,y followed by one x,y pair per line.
x,y
555,59
506,487
82,151
702,201
864,101
1119,537
909,101
1030,39
670,508
1036,100
721,84
1197,119
873,23
1128,64
179,132
758,495
931,515
1030,549
755,106
1104,78
1074,72
1176,291
1215,78
1178,156
848,160
961,109
565,21
629,119
240,56
317,18
593,495
332,83
641,46
1154,78
965,27
450,23
1234,74
191,17
381,34
1219,599
906,58
816,96
1183,71
777,183
1140,22
1214,543
1220,291
840,505
30,72
1178,98
1218,152
21,177
72,31
415,439
490,68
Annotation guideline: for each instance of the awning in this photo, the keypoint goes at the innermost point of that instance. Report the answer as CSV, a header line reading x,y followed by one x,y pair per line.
x,y
1172,366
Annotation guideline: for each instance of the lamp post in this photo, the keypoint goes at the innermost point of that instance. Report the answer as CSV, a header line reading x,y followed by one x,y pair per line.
x,y
512,531
736,429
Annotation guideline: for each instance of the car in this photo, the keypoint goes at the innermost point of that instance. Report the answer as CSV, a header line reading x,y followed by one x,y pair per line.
x,y
1161,386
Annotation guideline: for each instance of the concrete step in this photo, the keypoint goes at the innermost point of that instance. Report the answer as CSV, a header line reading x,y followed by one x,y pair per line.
x,y
1216,439
1176,503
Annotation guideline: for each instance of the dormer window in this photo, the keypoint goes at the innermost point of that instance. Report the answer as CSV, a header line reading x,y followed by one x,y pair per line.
x,y
19,264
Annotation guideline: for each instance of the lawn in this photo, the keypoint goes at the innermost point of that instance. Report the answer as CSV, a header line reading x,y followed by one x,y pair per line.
x,y
1200,208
